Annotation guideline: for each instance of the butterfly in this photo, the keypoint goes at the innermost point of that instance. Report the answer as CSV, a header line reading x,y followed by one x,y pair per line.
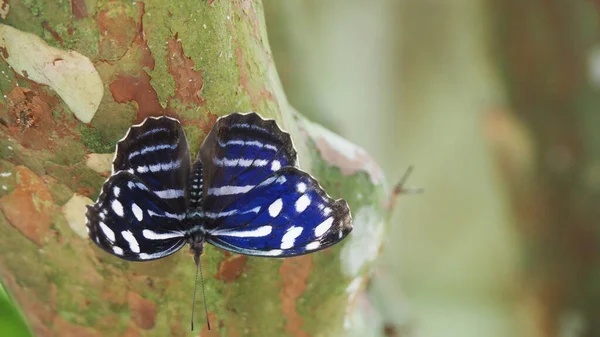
x,y
244,194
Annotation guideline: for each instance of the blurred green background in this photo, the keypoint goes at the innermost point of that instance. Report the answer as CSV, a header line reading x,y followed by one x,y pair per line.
x,y
496,104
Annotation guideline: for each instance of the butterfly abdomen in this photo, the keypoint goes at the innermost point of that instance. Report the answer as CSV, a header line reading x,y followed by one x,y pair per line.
x,y
195,187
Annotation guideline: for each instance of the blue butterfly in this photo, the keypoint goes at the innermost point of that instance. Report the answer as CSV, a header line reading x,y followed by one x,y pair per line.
x,y
244,194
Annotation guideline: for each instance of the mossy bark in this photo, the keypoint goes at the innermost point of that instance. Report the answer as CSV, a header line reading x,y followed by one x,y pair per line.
x,y
194,60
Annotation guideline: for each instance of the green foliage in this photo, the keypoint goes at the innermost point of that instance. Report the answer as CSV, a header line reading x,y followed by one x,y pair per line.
x,y
12,323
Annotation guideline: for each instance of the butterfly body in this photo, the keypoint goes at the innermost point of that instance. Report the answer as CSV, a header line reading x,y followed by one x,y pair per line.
x,y
244,193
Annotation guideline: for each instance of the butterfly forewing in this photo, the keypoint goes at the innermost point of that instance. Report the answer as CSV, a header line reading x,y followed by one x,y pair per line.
x,y
141,211
157,153
132,222
240,151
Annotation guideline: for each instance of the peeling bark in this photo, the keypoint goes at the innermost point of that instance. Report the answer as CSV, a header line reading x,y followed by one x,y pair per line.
x,y
193,60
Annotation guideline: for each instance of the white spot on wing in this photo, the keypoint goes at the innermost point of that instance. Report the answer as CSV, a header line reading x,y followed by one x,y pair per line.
x,y
229,190
301,187
116,191
302,203
117,207
110,235
274,252
267,181
151,235
152,149
240,162
137,211
275,208
248,143
275,165
313,245
134,246
290,236
255,233
213,215
169,194
117,250
323,227
167,215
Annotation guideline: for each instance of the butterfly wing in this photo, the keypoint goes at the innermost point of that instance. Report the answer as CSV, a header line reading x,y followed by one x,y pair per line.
x,y
240,151
287,214
256,201
132,222
140,212
157,152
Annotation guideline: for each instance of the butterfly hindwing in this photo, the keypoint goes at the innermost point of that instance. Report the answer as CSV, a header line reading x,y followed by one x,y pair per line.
x,y
286,214
242,150
156,151
132,222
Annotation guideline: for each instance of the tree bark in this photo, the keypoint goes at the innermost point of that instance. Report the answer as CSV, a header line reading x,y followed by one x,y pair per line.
x,y
62,113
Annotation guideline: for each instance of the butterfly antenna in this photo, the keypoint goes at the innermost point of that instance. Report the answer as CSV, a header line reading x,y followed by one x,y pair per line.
x,y
199,269
204,297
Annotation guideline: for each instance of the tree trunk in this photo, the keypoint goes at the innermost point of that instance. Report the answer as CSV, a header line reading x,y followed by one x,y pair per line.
x,y
547,147
62,113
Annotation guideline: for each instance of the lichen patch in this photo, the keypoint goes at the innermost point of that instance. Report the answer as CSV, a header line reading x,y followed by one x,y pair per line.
x,y
70,74
364,245
74,211
100,162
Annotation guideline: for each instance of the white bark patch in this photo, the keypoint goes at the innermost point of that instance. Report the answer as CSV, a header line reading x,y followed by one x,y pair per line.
x,y
341,153
72,75
74,211
365,241
4,8
99,162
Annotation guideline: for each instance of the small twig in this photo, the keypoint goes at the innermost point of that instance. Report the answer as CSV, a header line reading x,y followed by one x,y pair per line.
x,y
401,189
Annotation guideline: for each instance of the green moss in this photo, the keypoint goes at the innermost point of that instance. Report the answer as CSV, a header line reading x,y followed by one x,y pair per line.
x,y
36,7
78,178
68,151
32,159
110,123
206,38
84,38
60,192
7,77
18,251
7,150
195,136
256,297
93,140
7,177
324,295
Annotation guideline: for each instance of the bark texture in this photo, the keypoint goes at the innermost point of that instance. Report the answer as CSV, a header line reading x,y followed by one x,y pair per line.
x,y
193,60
